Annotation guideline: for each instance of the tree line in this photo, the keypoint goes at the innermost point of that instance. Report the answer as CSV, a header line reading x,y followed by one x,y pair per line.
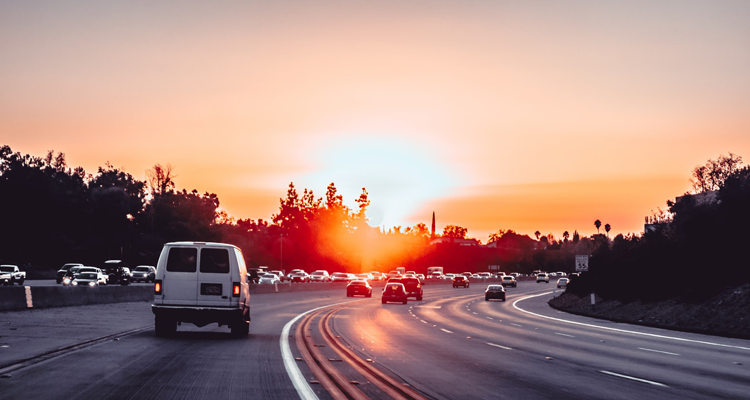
x,y
53,214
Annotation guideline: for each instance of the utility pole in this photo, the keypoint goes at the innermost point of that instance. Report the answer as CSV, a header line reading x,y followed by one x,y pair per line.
x,y
432,233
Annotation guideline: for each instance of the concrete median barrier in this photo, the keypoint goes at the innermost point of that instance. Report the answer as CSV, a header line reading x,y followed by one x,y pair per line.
x,y
18,298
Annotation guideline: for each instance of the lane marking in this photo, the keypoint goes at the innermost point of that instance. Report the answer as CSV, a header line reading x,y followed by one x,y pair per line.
x,y
497,345
658,351
515,305
29,300
304,390
489,318
632,378
516,325
423,321
445,330
562,334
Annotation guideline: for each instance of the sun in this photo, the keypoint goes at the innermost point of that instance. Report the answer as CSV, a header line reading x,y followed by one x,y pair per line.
x,y
399,175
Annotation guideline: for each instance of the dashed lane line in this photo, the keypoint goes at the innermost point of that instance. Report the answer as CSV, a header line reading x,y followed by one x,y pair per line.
x,y
632,378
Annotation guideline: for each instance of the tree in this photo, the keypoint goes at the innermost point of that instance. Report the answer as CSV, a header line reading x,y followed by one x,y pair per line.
x,y
576,237
607,228
160,179
712,175
566,235
597,224
537,234
455,231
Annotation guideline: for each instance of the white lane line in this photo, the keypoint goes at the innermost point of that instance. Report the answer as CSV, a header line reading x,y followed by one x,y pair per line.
x,y
445,330
497,345
475,313
562,334
423,321
515,305
298,380
521,326
632,378
490,318
658,351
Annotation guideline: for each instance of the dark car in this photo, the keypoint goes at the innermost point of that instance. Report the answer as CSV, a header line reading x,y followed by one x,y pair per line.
x,y
460,280
117,271
64,271
358,288
413,286
394,292
145,273
494,292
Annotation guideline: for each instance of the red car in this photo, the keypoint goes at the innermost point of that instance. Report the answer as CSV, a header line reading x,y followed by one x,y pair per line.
x,y
460,280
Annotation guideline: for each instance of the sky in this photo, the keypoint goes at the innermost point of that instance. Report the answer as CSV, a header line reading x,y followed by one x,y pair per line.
x,y
523,115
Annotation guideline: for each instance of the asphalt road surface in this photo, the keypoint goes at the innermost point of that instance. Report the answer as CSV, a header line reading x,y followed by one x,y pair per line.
x,y
451,345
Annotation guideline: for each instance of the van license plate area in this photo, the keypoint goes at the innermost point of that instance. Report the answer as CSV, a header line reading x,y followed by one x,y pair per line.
x,y
211,289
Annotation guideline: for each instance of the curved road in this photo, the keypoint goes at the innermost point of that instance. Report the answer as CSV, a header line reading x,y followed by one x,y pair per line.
x,y
451,345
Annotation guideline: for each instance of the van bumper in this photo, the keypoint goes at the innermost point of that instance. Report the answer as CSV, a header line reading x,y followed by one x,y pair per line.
x,y
202,316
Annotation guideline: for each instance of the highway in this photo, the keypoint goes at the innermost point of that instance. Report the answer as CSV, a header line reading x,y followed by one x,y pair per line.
x,y
451,345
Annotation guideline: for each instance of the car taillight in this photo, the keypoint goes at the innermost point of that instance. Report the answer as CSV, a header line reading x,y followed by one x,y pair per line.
x,y
235,289
157,287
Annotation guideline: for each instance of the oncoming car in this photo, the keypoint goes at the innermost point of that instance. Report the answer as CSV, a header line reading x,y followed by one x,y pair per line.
x,y
394,292
320,276
494,292
269,278
86,279
145,273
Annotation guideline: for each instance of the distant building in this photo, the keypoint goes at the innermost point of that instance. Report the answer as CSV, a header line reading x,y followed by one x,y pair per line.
x,y
655,223
701,198
460,242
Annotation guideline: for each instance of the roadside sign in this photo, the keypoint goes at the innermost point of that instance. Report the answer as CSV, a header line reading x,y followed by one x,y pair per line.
x,y
582,263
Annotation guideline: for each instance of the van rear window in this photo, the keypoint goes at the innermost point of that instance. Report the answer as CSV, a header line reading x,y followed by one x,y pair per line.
x,y
215,261
182,259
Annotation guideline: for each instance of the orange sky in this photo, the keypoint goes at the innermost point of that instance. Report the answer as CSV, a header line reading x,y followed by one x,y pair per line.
x,y
494,114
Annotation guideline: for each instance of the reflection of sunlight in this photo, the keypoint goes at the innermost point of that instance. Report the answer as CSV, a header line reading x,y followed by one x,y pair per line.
x,y
399,175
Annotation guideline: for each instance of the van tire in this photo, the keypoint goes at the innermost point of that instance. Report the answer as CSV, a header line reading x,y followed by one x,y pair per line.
x,y
165,327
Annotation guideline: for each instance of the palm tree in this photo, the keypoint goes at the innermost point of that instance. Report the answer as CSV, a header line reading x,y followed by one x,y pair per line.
x,y
537,234
607,228
597,224
566,235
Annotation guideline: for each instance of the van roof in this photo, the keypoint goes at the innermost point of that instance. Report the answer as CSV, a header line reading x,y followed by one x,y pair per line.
x,y
208,244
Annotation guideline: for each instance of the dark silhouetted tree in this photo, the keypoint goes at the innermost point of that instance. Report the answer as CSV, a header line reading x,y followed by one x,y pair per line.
x,y
597,224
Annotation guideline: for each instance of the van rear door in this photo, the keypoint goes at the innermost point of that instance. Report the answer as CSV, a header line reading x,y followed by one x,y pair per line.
x,y
180,280
215,278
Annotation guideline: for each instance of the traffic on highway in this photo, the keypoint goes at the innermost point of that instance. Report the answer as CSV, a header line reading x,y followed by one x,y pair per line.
x,y
451,344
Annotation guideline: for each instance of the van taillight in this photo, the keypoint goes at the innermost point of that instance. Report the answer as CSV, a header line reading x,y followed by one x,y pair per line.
x,y
235,289
157,286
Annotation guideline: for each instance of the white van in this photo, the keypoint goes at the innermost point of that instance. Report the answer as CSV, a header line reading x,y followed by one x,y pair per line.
x,y
201,283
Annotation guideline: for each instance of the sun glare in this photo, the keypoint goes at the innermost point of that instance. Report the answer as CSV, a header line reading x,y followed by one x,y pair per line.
x,y
399,175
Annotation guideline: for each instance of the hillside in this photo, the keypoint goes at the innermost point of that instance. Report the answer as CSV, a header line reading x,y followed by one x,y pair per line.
x,y
727,314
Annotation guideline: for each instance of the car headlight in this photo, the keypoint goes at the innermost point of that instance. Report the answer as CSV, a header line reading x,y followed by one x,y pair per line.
x,y
74,283
92,283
